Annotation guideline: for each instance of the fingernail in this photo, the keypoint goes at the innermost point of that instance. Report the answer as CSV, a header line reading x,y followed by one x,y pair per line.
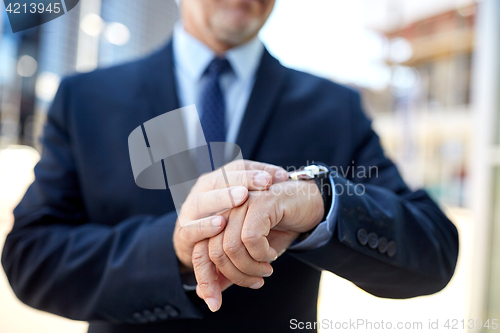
x,y
257,285
216,221
262,179
268,274
275,255
238,194
212,304
281,175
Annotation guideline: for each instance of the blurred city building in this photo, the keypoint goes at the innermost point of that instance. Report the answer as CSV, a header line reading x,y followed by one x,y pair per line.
x,y
485,167
95,33
424,115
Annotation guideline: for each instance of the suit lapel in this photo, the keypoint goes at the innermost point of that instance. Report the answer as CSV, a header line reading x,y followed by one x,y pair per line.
x,y
269,85
161,89
161,95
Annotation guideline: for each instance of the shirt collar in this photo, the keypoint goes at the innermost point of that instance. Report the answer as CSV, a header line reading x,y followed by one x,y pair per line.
x,y
193,57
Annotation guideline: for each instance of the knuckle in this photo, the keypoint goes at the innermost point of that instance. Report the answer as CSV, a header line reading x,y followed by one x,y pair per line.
x,y
204,286
250,238
217,256
232,247
243,281
197,258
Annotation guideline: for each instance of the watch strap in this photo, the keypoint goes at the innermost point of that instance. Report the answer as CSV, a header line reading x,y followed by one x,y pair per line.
x,y
325,189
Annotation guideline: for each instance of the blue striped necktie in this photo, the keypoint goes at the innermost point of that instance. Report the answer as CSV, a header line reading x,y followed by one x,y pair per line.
x,y
212,102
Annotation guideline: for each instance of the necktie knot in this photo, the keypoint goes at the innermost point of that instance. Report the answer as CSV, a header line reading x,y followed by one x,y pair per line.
x,y
218,66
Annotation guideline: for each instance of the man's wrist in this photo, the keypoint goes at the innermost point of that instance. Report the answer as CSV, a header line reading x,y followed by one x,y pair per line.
x,y
317,206
321,233
324,190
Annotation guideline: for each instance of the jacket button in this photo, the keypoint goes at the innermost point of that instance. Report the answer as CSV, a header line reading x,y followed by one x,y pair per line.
x,y
172,312
362,236
139,318
149,315
162,315
382,245
372,240
392,249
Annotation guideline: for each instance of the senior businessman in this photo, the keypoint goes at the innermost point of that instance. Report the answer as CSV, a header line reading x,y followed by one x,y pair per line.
x,y
88,244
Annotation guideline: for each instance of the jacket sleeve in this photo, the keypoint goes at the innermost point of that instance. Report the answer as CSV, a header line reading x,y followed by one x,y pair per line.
x,y
58,261
388,240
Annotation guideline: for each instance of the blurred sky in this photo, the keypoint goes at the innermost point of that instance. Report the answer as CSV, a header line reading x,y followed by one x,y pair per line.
x,y
338,39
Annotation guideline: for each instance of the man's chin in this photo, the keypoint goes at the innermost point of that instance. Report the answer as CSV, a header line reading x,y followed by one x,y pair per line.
x,y
236,35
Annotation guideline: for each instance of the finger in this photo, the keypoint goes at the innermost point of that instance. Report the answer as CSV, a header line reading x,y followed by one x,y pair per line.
x,y
254,180
226,267
223,281
236,251
278,173
206,276
281,239
207,203
198,230
254,233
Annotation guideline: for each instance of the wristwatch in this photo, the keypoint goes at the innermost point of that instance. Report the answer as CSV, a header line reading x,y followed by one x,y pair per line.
x,y
320,175
310,172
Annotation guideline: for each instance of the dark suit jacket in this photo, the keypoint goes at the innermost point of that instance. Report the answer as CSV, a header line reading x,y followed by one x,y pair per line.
x,y
89,244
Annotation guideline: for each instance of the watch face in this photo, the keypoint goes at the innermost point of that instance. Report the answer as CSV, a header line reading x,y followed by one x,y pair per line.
x,y
303,175
323,172
309,172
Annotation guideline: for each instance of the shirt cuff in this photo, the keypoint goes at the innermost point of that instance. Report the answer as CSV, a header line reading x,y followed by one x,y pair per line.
x,y
324,230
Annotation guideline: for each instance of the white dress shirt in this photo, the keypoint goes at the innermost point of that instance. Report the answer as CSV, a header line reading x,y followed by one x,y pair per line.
x,y
191,59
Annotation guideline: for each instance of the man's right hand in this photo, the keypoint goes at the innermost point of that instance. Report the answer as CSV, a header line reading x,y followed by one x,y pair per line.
x,y
258,231
210,195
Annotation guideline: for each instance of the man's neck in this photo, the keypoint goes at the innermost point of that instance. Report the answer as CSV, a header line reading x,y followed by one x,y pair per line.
x,y
209,40
217,46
